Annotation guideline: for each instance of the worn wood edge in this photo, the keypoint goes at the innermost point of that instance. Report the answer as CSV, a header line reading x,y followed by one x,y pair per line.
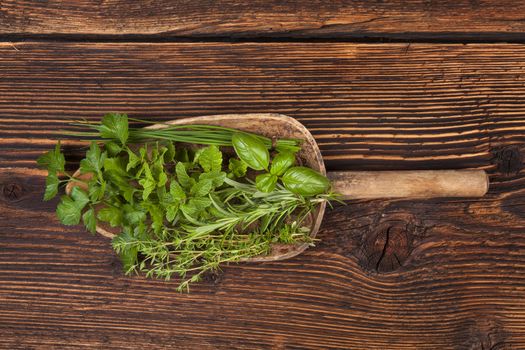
x,y
492,19
260,123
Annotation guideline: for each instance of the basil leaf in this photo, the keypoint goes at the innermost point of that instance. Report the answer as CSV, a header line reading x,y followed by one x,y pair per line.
x,y
305,181
281,162
266,182
251,150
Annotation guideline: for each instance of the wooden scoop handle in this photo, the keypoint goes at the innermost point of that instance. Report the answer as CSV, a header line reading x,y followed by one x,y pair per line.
x,y
409,184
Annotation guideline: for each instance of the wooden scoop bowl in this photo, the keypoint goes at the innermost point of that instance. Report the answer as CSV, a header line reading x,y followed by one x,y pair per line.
x,y
351,184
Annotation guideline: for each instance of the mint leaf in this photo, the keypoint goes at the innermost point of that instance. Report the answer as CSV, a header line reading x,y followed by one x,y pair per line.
x,y
171,211
210,158
133,216
266,182
53,160
169,156
237,167
216,177
148,182
194,206
177,192
157,217
115,126
80,197
163,178
111,215
201,188
67,211
133,161
90,220
51,186
182,176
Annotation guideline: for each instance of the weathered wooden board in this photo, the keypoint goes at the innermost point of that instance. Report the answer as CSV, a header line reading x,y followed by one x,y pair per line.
x,y
440,274
457,20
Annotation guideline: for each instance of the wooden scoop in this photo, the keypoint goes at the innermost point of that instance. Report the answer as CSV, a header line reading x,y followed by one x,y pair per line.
x,y
351,184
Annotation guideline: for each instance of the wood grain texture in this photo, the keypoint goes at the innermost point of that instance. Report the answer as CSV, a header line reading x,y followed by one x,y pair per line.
x,y
398,274
474,20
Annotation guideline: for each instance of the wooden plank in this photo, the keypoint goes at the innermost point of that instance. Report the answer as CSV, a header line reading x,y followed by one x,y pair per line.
x,y
401,274
473,20
395,106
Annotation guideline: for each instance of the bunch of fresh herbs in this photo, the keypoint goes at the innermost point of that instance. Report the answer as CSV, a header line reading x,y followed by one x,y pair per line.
x,y
186,199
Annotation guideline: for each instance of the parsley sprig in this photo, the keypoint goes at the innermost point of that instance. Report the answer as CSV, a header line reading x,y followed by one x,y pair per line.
x,y
184,200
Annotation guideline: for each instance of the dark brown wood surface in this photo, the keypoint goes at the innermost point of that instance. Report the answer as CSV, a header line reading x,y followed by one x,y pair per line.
x,y
398,274
457,20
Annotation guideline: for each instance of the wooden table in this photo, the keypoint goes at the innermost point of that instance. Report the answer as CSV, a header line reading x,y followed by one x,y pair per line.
x,y
381,85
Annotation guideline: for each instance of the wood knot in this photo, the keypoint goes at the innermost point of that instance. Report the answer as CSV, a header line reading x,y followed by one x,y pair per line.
x,y
12,192
387,244
509,160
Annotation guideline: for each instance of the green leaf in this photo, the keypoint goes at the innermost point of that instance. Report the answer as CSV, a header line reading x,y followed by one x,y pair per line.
x,y
210,159
80,197
177,192
53,160
169,156
51,186
111,215
266,182
68,212
305,181
113,148
115,126
163,179
94,160
148,182
182,176
133,160
201,188
96,191
281,162
157,217
127,249
133,216
171,211
195,206
90,220
216,177
115,165
182,155
251,150
237,167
